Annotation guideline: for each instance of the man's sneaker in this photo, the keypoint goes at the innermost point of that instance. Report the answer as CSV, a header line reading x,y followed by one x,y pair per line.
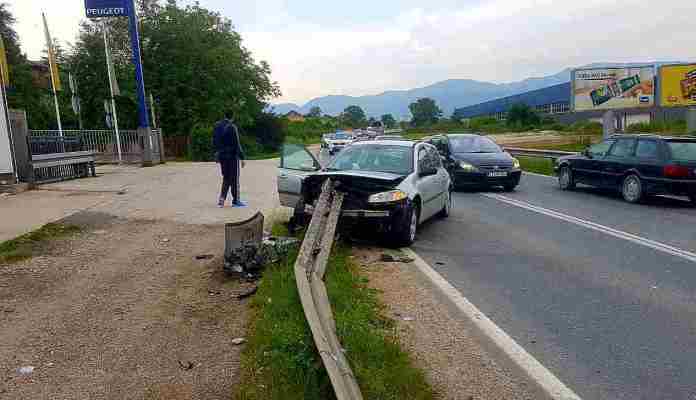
x,y
238,203
221,203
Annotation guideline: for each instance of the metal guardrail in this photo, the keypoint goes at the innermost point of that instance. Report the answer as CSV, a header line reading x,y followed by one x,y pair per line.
x,y
552,154
56,167
310,268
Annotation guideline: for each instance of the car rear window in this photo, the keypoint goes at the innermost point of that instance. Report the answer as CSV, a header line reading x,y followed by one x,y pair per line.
x,y
682,150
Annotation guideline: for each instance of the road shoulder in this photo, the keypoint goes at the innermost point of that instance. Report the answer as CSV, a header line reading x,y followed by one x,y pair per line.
x,y
442,344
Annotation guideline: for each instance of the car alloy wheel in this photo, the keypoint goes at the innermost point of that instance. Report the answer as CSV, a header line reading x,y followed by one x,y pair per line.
x,y
632,189
448,204
565,178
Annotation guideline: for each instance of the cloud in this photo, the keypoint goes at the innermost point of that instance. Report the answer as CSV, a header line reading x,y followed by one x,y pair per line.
x,y
320,49
63,20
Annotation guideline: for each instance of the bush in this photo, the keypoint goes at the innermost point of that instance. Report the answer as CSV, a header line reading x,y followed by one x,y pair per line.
x,y
202,143
522,116
269,132
675,127
586,127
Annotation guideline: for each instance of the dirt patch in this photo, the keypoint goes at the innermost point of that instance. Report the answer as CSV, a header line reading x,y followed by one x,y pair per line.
x,y
123,310
442,344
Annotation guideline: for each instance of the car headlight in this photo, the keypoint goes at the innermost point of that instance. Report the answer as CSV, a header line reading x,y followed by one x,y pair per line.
x,y
515,163
387,197
467,167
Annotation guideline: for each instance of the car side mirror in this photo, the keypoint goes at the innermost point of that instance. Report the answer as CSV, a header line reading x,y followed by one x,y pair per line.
x,y
587,153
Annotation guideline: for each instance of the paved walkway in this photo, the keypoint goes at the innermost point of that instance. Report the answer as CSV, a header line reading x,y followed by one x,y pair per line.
x,y
179,192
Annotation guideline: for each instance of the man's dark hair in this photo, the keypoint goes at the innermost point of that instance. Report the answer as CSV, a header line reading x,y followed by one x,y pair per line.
x,y
228,115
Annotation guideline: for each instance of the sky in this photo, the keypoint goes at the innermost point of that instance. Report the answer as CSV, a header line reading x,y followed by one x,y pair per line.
x,y
362,47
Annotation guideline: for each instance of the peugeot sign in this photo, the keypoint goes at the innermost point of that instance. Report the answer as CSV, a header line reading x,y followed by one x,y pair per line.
x,y
106,8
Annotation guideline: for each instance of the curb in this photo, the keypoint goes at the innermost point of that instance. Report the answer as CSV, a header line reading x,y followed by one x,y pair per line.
x,y
540,380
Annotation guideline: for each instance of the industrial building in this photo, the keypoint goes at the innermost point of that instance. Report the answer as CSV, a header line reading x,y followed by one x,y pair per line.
x,y
554,101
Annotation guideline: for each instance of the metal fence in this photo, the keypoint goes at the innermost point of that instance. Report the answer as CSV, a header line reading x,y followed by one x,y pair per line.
x,y
104,143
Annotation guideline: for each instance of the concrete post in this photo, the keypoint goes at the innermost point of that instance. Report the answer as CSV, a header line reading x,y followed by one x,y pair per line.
x,y
608,124
145,135
691,120
163,160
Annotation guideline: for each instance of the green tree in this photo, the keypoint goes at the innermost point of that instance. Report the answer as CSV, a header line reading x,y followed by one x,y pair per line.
x,y
424,111
314,112
354,117
522,116
372,121
195,65
388,121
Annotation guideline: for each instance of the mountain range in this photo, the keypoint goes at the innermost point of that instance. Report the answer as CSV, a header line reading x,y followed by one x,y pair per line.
x,y
449,95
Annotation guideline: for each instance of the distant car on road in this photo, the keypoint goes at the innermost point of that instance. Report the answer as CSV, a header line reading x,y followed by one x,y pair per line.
x,y
337,141
636,165
477,161
391,186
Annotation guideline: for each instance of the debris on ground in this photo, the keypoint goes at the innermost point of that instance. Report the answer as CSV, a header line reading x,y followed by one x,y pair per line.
x,y
26,370
205,257
248,293
251,258
238,341
186,366
395,258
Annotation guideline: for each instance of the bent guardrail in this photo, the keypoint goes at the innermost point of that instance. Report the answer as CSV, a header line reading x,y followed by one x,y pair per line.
x,y
310,268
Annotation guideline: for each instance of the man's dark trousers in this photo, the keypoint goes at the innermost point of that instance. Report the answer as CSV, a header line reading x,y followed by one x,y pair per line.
x,y
230,178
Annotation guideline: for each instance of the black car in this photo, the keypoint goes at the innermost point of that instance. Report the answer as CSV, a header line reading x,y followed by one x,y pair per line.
x,y
636,165
477,161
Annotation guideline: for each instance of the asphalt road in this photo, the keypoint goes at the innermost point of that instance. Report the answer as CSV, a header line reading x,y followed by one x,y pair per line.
x,y
613,316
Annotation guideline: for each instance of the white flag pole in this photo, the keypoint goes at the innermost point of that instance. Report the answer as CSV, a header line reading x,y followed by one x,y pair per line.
x,y
111,73
54,79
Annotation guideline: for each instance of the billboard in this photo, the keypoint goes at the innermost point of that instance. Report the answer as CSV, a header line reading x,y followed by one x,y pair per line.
x,y
678,85
106,8
613,88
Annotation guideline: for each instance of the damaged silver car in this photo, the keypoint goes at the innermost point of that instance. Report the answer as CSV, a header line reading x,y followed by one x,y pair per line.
x,y
390,186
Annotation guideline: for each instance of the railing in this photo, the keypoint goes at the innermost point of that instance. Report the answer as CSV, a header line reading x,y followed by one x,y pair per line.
x,y
104,143
310,268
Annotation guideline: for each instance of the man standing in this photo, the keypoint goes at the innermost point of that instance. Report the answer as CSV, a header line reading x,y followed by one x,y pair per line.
x,y
229,153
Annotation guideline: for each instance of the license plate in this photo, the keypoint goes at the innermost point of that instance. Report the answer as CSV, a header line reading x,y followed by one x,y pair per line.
x,y
497,174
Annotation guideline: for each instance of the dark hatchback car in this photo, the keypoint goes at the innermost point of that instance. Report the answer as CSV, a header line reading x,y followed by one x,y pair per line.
x,y
636,165
475,161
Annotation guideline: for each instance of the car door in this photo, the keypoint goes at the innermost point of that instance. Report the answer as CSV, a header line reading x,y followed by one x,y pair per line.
x,y
428,184
296,163
649,162
586,168
620,159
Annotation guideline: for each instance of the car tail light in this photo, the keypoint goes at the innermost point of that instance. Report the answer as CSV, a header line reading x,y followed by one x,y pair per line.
x,y
676,171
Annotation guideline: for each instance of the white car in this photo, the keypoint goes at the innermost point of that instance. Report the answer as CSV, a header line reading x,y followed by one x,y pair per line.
x,y
337,141
391,186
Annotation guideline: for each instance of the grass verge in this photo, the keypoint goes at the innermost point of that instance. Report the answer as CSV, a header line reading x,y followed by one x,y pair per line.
x,y
537,165
27,245
280,360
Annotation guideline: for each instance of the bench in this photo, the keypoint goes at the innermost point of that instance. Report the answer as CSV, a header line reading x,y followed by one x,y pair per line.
x,y
57,158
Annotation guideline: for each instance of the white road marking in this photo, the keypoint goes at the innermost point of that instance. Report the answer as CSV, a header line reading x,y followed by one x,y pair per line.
x,y
662,247
541,175
546,383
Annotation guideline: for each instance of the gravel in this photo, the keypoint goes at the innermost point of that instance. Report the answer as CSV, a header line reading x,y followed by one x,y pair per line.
x,y
115,315
442,344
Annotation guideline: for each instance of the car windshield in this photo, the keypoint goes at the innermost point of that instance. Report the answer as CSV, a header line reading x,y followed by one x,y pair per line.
x,y
342,136
375,158
473,144
682,150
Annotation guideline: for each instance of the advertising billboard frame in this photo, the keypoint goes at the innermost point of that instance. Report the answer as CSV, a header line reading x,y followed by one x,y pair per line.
x,y
573,81
661,85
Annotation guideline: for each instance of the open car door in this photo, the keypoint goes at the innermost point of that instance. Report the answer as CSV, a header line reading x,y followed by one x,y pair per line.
x,y
296,163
